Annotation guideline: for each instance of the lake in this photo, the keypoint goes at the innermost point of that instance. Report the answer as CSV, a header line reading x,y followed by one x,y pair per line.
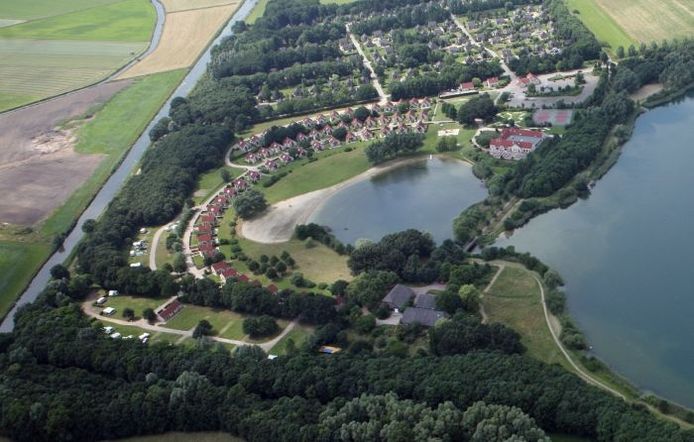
x,y
426,195
626,256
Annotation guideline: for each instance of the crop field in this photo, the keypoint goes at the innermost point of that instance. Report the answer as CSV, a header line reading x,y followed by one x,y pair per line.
x,y
35,69
29,10
185,36
124,21
625,22
184,5
66,45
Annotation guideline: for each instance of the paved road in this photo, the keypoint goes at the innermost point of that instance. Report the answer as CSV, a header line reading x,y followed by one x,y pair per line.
x,y
367,63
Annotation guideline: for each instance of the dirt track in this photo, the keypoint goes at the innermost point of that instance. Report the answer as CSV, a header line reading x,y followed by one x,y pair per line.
x,y
38,168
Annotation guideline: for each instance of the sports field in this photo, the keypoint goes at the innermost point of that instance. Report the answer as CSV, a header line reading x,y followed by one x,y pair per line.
x,y
626,22
65,45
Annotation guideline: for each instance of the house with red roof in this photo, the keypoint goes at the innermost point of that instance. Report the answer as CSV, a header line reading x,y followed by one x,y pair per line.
x,y
491,82
528,79
515,143
467,86
170,310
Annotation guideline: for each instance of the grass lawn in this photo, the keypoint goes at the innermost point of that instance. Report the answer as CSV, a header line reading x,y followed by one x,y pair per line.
x,y
18,262
257,12
319,263
210,182
124,21
112,132
28,10
333,168
190,315
514,300
137,303
601,23
299,334
155,337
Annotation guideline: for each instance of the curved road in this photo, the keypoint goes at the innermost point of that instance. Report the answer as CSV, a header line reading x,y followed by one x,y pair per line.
x,y
116,180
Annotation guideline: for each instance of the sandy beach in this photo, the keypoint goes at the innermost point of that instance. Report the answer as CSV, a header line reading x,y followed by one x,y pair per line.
x,y
277,224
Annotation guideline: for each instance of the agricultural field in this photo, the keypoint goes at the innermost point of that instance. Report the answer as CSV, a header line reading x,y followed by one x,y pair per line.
x,y
63,181
647,20
601,23
57,47
187,32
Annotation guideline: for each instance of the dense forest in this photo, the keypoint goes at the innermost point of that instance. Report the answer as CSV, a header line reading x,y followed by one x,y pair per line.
x,y
63,379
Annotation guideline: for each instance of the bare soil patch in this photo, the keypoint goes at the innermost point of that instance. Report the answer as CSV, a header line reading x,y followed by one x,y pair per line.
x,y
646,91
39,169
185,36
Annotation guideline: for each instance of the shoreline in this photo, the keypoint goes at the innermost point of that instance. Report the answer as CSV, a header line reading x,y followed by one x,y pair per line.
x,y
277,224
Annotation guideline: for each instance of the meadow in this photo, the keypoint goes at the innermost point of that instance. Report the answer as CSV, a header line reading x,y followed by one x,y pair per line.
x,y
18,263
626,22
66,45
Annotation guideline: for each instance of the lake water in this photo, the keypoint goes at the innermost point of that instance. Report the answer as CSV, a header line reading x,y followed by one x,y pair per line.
x,y
626,254
426,195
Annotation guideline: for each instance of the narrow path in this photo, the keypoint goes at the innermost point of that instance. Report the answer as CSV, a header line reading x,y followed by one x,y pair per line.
x,y
485,318
374,78
153,247
143,324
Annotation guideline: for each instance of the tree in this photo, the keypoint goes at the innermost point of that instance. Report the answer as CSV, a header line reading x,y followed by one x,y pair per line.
x,y
129,313
149,315
340,133
369,288
59,271
470,297
449,301
88,226
632,51
179,263
447,144
481,106
620,52
249,204
204,328
261,326
364,324
464,333
225,175
498,423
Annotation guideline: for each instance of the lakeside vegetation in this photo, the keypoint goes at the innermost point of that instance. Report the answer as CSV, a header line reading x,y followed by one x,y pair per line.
x,y
413,374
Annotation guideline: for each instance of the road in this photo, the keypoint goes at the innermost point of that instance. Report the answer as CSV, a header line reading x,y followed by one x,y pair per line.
x,y
116,180
374,78
143,324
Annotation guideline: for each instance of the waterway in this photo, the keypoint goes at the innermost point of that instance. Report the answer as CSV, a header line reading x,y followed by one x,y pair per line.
x,y
626,256
128,165
425,195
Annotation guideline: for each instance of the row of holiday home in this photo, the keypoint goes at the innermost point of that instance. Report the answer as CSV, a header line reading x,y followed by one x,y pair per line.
x,y
515,144
206,231
320,129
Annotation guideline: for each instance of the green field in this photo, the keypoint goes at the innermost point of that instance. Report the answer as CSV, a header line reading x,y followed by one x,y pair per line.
x,y
33,9
606,30
327,171
124,21
18,262
112,132
514,300
137,303
67,44
299,334
257,12
36,69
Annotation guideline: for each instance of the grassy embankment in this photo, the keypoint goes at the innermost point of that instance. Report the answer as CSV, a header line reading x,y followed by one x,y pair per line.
x,y
62,46
110,132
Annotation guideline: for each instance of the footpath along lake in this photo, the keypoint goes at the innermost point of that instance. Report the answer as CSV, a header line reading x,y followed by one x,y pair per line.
x,y
626,256
425,195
